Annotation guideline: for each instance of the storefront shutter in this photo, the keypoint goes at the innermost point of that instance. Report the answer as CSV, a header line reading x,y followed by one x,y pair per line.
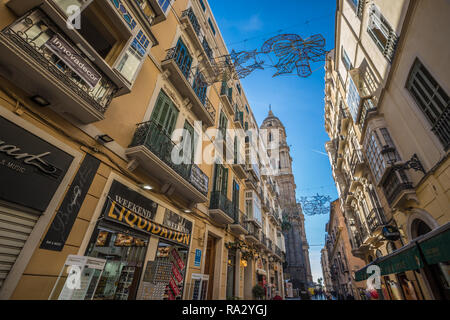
x,y
15,228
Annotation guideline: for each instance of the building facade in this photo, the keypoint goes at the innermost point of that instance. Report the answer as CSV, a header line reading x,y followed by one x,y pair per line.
x,y
386,107
298,269
341,263
104,106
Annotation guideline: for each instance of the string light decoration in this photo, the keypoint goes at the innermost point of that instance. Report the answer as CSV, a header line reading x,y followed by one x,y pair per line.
x,y
290,51
315,205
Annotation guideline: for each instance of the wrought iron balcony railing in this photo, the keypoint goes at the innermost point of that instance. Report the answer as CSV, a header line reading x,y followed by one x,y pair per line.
x,y
198,31
376,219
239,117
357,159
240,218
227,91
220,202
193,19
154,137
252,230
394,184
195,79
32,34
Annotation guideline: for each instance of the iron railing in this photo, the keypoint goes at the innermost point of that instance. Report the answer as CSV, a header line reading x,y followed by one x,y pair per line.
x,y
220,202
227,91
240,218
195,79
32,32
252,229
198,31
155,138
395,183
375,219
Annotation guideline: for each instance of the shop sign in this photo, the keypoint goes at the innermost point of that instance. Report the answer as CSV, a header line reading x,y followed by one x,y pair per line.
x,y
132,200
73,60
118,213
176,222
198,258
31,169
67,213
199,179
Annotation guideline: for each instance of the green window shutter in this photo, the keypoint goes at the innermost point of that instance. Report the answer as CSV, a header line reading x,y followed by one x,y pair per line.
x,y
165,113
225,181
191,131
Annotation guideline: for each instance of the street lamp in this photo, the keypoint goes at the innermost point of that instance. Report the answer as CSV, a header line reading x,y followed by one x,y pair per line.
x,y
414,163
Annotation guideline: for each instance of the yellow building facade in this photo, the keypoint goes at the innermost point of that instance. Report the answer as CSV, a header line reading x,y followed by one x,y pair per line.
x,y
95,102
386,115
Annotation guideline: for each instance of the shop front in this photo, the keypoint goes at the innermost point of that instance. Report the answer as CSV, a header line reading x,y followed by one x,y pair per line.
x,y
34,169
145,260
427,255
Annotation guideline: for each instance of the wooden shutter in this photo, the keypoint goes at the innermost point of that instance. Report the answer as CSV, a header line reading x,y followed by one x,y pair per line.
x,y
165,113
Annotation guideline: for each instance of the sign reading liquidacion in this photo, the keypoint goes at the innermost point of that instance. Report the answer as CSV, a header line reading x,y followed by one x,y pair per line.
x,y
74,60
118,213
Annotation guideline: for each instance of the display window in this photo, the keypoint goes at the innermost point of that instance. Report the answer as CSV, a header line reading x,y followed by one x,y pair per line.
x,y
124,253
164,277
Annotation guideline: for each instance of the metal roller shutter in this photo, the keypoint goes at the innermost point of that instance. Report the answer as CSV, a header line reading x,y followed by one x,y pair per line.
x,y
15,228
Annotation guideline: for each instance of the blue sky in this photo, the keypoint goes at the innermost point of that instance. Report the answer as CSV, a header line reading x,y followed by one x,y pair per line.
x,y
298,102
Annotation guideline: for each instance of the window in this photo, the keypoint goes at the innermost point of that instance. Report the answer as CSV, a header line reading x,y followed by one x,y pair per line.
x,y
212,26
239,88
202,4
165,113
382,33
129,65
146,9
346,60
374,156
164,4
353,99
432,100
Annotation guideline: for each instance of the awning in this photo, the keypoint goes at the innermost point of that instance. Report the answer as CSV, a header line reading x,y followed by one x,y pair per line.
x,y
435,247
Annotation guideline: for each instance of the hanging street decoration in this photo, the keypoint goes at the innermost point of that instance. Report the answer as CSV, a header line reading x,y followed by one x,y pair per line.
x,y
315,205
287,53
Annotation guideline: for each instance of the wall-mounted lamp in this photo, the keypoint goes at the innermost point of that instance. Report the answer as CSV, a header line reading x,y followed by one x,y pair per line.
x,y
146,187
414,163
104,138
42,102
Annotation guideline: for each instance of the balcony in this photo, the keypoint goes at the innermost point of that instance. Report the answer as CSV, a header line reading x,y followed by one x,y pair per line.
x,y
368,110
397,187
190,85
253,233
239,119
240,225
270,247
32,59
376,219
265,205
239,169
152,149
357,162
226,94
221,208
194,30
262,241
250,183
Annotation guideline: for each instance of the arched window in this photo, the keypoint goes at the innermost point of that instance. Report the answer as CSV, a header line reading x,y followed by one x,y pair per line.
x,y
390,247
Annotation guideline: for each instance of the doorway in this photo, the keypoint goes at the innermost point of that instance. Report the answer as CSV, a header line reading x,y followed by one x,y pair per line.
x,y
210,264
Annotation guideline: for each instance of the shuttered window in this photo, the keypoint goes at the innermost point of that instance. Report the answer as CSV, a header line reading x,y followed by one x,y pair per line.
x,y
15,228
432,100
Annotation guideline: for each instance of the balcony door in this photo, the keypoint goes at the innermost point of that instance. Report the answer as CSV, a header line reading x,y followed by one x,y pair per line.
x,y
183,58
165,114
236,200
220,179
